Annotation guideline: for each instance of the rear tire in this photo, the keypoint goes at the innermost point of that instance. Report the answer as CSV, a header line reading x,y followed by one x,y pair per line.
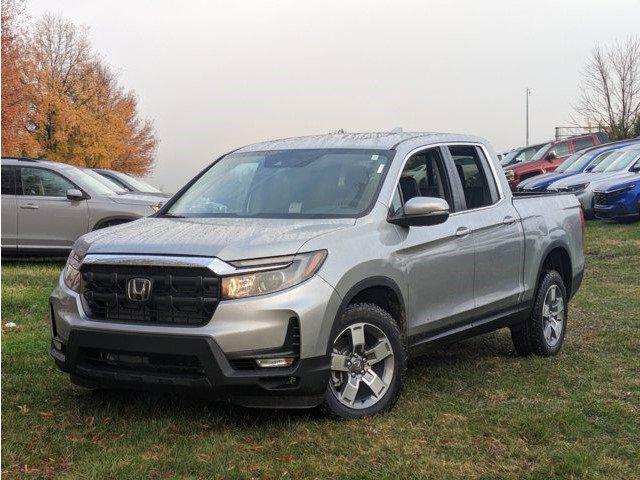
x,y
543,332
369,363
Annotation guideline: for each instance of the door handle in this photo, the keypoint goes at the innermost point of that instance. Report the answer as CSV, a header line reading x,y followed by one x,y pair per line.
x,y
508,220
463,231
29,206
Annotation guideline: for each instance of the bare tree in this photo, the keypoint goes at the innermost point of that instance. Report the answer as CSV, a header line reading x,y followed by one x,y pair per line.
x,y
610,90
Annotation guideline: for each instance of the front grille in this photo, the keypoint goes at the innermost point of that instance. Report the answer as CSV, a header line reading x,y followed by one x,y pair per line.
x,y
179,295
141,362
600,198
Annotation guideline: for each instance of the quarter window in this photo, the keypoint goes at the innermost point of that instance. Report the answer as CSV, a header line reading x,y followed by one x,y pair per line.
x,y
473,176
423,176
38,182
8,180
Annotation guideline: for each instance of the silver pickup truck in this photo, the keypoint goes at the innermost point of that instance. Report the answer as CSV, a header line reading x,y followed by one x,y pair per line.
x,y
306,271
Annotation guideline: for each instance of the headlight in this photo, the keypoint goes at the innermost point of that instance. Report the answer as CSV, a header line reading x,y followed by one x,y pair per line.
x,y
511,175
71,272
620,190
577,188
297,269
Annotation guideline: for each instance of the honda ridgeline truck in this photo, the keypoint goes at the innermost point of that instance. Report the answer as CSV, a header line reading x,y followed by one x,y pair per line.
x,y
306,271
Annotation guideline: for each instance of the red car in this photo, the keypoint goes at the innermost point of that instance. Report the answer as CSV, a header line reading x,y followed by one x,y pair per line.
x,y
550,156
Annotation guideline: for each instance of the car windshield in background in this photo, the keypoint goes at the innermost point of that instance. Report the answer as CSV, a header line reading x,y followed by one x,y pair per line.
x,y
87,181
540,153
105,181
621,162
508,157
287,184
138,184
577,161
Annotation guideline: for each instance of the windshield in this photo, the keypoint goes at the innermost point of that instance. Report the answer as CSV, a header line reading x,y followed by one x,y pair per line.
x,y
136,183
105,181
577,161
519,155
624,160
287,184
540,153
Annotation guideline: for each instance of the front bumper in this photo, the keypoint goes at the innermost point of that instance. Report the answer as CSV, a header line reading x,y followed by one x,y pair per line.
x,y
98,359
618,210
239,331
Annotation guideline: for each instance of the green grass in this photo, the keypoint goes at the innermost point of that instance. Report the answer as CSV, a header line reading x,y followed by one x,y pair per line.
x,y
472,410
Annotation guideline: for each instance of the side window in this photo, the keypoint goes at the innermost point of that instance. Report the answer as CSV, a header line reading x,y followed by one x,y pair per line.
x,y
38,182
582,143
473,174
562,149
423,176
396,202
8,180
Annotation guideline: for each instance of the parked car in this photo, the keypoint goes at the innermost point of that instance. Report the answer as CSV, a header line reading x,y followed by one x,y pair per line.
x,y
305,271
130,183
622,164
46,206
582,161
520,155
618,200
549,157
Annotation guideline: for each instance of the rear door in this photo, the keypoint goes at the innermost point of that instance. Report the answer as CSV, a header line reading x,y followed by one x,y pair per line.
x,y
47,219
438,259
496,227
9,210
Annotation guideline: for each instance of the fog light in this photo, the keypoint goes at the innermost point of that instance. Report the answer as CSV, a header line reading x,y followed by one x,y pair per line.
x,y
274,362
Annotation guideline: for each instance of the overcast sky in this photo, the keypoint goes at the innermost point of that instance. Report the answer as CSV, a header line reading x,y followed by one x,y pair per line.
x,y
215,75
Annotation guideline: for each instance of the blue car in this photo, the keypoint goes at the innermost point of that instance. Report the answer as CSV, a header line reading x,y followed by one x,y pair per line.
x,y
618,200
582,161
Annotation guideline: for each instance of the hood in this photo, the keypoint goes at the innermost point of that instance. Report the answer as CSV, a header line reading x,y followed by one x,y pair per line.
x,y
544,179
584,178
615,178
136,199
615,183
225,238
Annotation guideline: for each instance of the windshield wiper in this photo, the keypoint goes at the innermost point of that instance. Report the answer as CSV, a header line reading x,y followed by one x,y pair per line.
x,y
170,215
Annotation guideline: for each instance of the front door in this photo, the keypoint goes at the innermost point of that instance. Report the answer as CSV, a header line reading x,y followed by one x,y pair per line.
x,y
438,259
47,219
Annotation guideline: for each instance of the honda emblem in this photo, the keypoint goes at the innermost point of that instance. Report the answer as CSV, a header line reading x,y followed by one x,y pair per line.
x,y
139,289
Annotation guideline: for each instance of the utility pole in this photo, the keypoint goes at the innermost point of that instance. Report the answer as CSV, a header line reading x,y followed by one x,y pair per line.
x,y
527,94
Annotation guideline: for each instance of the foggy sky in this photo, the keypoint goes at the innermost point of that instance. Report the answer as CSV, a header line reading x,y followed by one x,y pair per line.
x,y
215,75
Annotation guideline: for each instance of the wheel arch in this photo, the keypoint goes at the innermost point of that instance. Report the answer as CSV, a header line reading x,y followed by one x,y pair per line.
x,y
379,290
557,257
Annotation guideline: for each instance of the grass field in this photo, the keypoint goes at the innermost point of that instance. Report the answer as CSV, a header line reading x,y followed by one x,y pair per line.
x,y
473,410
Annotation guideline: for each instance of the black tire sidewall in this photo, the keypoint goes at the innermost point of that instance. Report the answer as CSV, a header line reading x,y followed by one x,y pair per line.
x,y
536,324
376,316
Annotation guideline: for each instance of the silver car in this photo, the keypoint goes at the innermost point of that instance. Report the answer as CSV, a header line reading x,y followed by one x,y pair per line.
x,y
129,183
622,163
306,271
46,206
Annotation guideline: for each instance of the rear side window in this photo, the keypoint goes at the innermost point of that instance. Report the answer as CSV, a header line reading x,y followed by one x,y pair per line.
x,y
474,175
38,182
8,180
582,143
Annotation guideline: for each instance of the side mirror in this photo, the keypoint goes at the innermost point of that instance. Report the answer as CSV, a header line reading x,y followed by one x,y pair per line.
x,y
552,155
636,168
422,211
75,194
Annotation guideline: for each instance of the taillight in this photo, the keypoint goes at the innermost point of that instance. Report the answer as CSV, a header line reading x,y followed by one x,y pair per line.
x,y
582,222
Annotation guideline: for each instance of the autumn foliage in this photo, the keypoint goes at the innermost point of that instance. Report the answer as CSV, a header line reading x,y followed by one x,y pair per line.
x,y
77,113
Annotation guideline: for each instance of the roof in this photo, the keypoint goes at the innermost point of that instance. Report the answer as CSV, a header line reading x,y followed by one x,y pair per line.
x,y
370,140
34,161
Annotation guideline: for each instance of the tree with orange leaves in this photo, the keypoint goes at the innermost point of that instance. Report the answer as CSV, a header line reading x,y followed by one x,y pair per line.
x,y
15,95
78,114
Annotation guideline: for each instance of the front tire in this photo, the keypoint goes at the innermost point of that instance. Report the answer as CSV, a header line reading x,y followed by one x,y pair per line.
x,y
368,363
543,332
